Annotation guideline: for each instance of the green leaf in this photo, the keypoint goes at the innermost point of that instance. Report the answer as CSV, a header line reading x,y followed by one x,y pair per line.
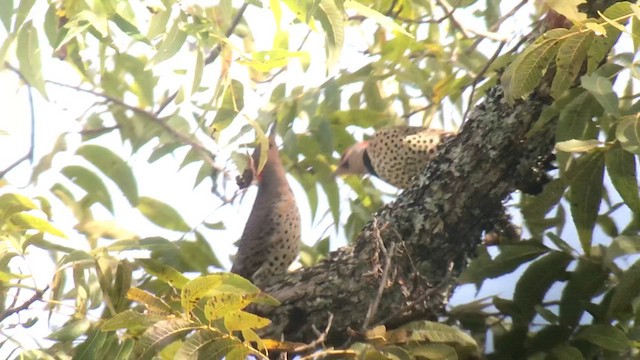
x,y
332,20
131,320
536,281
27,221
11,203
29,58
524,74
635,27
267,60
198,288
566,352
24,7
606,336
584,283
160,335
124,352
113,167
627,290
6,11
208,344
621,167
165,273
621,246
172,42
628,133
91,183
152,244
509,259
232,104
602,89
92,346
162,214
370,13
585,195
71,330
571,55
601,45
159,20
152,302
432,332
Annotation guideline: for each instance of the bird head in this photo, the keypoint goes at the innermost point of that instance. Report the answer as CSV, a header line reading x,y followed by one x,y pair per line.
x,y
352,161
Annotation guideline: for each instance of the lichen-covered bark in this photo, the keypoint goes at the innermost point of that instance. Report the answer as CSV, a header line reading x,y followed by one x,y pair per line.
x,y
423,239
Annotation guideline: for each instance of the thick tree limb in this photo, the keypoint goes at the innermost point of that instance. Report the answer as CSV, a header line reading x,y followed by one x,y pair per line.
x,y
434,228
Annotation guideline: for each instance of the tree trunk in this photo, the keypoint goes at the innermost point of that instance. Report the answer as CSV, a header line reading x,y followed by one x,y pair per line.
x,y
405,262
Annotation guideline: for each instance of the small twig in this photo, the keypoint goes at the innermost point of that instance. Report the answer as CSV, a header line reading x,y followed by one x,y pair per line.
x,y
427,294
322,336
32,136
207,156
478,77
37,296
213,55
347,354
450,9
410,114
98,131
373,307
496,25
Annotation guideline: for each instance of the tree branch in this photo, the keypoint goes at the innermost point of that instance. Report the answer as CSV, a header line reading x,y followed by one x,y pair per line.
x,y
439,223
14,310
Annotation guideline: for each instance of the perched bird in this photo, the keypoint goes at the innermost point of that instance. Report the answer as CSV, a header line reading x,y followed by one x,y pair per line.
x,y
395,154
271,237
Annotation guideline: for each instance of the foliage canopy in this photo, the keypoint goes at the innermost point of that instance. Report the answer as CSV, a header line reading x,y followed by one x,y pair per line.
x,y
188,84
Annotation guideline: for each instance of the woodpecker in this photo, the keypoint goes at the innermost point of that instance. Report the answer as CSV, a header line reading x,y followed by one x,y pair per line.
x,y
395,154
271,237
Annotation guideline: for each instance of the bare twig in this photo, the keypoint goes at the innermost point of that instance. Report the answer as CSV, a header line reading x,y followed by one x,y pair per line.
x,y
373,307
14,310
29,154
427,294
479,77
496,25
322,336
207,156
213,55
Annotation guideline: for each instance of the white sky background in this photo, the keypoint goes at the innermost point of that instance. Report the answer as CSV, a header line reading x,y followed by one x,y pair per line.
x,y
161,180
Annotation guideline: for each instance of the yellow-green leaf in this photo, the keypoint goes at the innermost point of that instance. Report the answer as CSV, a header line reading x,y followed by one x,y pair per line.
x,y
242,320
232,104
172,42
628,133
571,55
162,214
113,167
164,272
29,222
372,14
574,145
29,58
221,304
568,9
524,74
151,301
89,182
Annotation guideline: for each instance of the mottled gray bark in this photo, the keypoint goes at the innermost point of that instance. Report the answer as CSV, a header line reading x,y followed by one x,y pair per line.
x,y
422,241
